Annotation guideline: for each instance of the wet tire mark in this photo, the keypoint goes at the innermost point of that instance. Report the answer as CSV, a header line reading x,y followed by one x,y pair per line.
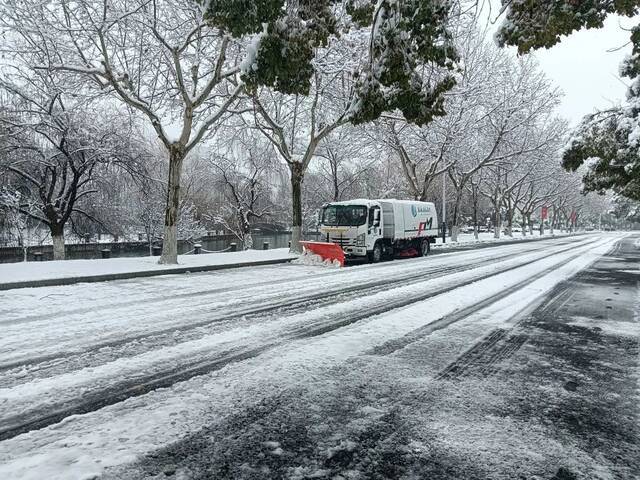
x,y
482,359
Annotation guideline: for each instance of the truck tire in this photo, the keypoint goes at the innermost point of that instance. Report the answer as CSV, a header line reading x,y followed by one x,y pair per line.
x,y
425,247
375,255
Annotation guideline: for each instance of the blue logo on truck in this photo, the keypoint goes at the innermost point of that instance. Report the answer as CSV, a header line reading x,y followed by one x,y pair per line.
x,y
415,210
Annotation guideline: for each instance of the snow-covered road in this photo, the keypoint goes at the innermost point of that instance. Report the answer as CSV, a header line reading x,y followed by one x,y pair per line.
x,y
93,376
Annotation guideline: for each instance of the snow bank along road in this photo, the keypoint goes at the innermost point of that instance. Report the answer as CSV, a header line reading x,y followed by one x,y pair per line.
x,y
94,377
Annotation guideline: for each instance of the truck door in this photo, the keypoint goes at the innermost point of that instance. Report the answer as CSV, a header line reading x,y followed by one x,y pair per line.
x,y
375,222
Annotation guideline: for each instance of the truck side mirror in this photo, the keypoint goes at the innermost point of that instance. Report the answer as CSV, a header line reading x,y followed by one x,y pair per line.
x,y
376,218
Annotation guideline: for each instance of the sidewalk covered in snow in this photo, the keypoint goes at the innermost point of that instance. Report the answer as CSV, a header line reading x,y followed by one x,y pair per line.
x,y
32,274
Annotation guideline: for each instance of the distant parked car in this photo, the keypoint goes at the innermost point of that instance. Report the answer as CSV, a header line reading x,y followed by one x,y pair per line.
x,y
516,230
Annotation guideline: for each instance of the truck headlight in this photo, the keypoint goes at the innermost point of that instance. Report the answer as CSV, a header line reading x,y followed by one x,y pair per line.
x,y
360,240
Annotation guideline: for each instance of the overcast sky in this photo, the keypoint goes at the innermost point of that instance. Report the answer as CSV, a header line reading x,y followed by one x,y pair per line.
x,y
585,70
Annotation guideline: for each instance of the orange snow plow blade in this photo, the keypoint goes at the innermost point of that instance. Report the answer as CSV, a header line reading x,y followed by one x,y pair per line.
x,y
327,251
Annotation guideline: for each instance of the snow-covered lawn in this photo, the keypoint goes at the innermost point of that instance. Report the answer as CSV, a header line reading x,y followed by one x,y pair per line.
x,y
34,271
70,320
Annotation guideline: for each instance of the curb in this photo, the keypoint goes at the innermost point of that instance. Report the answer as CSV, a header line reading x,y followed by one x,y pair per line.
x,y
54,282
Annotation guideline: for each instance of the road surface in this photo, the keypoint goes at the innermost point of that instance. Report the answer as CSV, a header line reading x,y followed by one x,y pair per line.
x,y
519,361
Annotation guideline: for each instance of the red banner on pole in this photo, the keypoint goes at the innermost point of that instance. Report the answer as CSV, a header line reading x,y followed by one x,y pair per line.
x,y
544,213
573,216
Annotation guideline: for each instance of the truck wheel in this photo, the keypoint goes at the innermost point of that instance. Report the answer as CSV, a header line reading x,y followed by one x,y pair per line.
x,y
425,248
376,254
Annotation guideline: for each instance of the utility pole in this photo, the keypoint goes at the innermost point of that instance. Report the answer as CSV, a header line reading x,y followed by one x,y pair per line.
x,y
444,208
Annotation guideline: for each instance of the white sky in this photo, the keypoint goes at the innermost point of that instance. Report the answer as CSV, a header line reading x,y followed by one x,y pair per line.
x,y
583,68
586,71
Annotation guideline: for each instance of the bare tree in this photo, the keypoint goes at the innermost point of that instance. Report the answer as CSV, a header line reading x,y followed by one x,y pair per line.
x,y
423,152
427,152
55,146
473,187
347,157
539,187
18,210
279,118
516,120
157,56
244,183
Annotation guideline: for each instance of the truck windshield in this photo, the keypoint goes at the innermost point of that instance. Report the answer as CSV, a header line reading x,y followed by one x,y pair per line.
x,y
344,215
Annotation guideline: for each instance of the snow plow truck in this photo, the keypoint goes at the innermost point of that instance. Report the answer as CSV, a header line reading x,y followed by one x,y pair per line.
x,y
375,229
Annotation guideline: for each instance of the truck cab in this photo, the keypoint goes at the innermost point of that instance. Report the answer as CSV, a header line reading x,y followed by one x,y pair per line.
x,y
355,225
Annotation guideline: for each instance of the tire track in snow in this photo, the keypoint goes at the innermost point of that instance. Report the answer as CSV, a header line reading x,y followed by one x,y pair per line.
x,y
163,298
149,340
397,344
92,401
152,281
143,342
481,359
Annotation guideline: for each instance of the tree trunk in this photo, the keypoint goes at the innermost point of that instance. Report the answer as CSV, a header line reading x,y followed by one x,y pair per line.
x,y
475,215
247,241
529,224
454,218
57,235
172,209
498,225
455,230
336,186
297,176
424,195
147,232
509,223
